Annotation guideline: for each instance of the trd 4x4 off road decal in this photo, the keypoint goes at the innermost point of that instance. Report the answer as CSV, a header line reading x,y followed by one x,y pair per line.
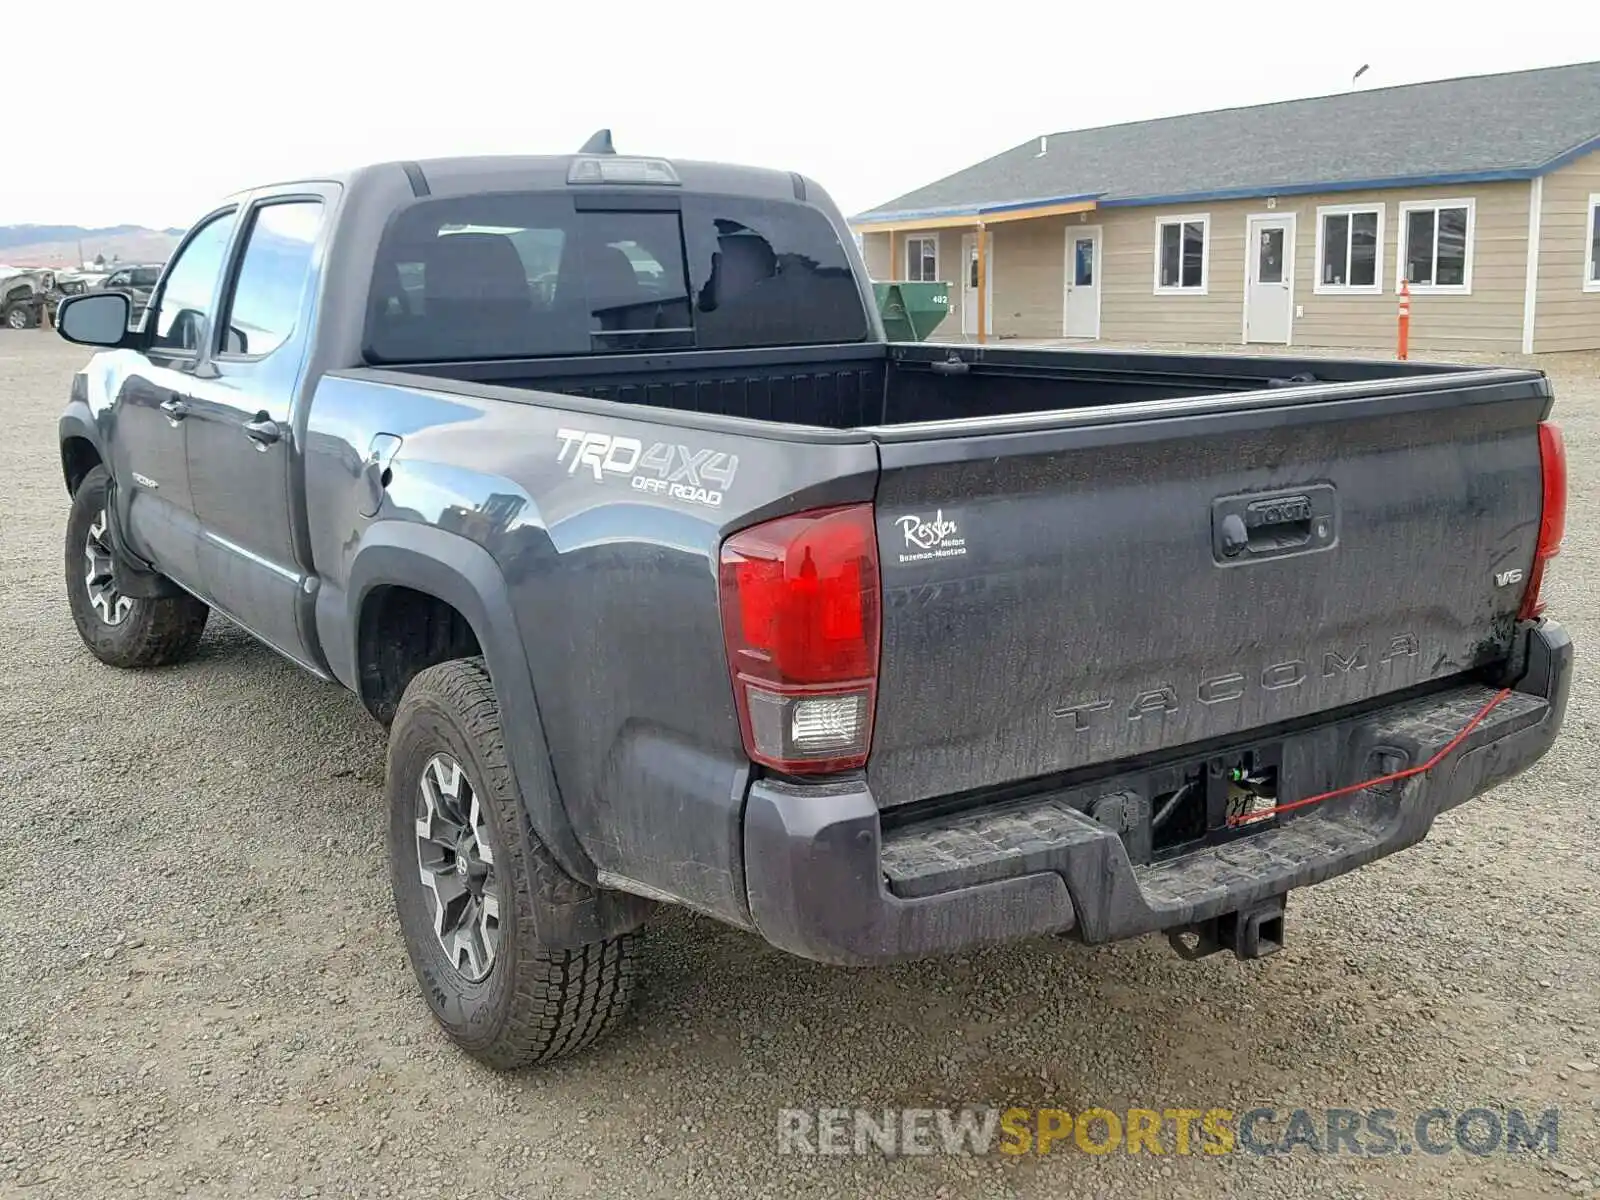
x,y
662,468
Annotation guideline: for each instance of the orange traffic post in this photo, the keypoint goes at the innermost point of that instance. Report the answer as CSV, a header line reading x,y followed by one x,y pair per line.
x,y
983,284
1403,339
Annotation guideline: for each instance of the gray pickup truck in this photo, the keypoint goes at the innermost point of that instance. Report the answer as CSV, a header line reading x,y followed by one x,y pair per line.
x,y
594,478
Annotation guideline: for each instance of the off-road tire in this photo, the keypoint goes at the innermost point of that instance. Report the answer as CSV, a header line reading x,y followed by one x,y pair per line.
x,y
16,316
535,1004
156,631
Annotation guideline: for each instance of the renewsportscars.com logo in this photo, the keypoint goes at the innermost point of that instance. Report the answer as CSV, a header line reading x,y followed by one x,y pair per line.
x,y
1179,1132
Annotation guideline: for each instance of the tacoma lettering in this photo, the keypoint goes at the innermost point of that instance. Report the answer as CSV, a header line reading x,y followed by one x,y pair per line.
x,y
1233,685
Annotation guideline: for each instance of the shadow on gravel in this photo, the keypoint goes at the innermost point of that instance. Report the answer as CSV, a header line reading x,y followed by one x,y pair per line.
x,y
1043,1022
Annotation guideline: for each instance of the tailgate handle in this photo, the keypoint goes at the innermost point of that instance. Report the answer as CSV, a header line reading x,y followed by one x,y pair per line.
x,y
1247,527
1276,524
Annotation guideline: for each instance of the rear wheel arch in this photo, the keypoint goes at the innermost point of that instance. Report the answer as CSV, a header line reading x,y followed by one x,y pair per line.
x,y
412,572
401,631
412,569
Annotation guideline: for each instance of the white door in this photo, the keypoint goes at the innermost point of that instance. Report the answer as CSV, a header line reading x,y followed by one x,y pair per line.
x,y
1269,280
969,284
1080,306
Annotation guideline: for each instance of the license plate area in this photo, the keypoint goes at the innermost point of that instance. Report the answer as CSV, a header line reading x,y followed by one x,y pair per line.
x,y
1189,805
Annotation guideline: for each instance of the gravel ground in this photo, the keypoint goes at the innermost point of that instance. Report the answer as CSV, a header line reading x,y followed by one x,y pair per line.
x,y
203,989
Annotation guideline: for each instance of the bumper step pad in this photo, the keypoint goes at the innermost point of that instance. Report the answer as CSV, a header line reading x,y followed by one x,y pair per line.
x,y
1113,898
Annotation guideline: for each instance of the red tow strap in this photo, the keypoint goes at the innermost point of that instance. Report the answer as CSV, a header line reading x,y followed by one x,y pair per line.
x,y
1393,777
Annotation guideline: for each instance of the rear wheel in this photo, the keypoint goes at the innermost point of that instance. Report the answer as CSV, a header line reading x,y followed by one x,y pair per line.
x,y
122,630
465,865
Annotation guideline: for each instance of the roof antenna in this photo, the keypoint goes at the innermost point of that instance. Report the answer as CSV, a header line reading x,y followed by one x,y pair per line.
x,y
599,143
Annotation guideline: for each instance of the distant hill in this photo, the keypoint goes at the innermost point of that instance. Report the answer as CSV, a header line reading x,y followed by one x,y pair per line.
x,y
57,245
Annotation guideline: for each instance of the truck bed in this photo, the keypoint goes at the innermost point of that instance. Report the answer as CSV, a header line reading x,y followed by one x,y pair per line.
x,y
848,387
1058,589
1061,601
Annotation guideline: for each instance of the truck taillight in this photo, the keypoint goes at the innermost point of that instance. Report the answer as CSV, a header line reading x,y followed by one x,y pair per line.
x,y
1553,515
800,617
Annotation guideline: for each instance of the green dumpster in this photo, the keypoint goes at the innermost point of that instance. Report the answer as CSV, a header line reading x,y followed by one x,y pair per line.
x,y
911,311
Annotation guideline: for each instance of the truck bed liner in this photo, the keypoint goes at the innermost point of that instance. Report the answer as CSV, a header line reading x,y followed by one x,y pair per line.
x,y
873,385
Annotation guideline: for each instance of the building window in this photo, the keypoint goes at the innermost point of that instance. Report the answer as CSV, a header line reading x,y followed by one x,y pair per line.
x,y
1349,249
1436,246
1591,239
1183,250
922,259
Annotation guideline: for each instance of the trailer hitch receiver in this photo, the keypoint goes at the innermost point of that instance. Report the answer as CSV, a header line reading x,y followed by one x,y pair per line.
x,y
1252,932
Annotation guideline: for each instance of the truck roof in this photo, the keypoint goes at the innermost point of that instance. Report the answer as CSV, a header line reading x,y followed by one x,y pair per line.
x,y
465,175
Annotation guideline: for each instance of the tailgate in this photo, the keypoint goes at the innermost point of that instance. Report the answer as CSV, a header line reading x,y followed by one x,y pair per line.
x,y
1072,589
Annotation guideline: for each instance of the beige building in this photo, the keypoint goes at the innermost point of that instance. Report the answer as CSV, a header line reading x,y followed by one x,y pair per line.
x,y
1290,224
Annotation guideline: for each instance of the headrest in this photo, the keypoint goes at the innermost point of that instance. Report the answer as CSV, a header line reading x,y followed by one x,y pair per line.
x,y
474,266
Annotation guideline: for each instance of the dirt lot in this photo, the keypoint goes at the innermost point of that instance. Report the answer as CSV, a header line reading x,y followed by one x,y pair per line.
x,y
203,990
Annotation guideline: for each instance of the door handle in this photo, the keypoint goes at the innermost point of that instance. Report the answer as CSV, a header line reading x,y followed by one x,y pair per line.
x,y
175,407
263,431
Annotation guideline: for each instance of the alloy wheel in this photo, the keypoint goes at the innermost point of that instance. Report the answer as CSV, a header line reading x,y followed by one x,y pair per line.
x,y
100,576
457,869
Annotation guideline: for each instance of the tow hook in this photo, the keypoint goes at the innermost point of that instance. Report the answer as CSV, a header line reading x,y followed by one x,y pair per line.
x,y
1252,932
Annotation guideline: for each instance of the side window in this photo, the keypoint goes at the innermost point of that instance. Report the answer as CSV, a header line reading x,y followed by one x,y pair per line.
x,y
272,277
187,300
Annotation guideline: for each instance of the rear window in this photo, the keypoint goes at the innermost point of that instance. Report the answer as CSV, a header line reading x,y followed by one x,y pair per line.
x,y
513,275
144,276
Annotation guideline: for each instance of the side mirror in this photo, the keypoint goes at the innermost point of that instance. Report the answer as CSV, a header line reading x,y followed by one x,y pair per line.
x,y
94,319
235,341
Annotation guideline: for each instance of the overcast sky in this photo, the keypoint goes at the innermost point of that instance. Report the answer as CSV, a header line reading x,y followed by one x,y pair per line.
x,y
179,102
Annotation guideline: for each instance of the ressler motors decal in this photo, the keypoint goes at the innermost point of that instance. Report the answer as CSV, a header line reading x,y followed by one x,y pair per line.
x,y
925,539
661,469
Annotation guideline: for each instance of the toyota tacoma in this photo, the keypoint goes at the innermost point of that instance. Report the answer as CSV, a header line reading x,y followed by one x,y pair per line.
x,y
595,479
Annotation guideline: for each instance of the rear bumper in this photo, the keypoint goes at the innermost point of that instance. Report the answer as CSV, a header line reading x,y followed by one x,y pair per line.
x,y
827,883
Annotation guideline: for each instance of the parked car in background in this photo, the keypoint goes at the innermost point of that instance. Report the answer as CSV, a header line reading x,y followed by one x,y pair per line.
x,y
138,281
68,283
22,294
28,297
